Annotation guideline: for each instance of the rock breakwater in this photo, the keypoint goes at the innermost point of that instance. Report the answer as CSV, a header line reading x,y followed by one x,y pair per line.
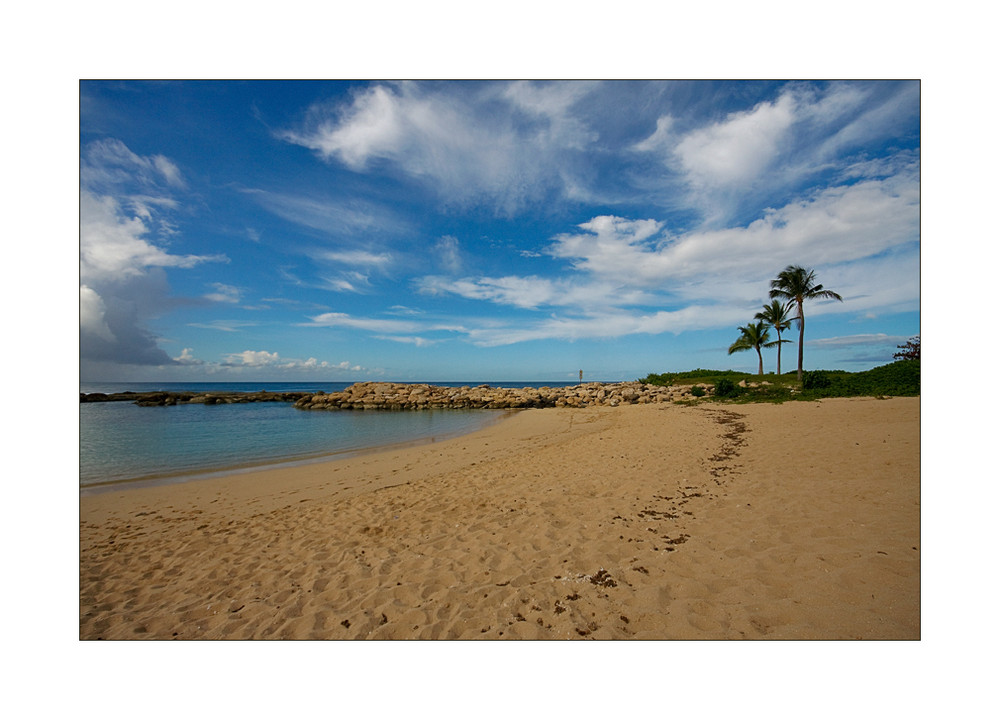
x,y
403,396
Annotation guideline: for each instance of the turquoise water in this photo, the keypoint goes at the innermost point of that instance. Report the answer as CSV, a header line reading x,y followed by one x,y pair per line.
x,y
121,442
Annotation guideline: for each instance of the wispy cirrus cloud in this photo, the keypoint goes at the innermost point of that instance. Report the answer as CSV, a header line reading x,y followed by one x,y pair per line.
x,y
504,145
335,217
729,165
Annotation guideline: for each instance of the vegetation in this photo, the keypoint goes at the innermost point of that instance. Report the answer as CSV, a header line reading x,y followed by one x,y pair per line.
x,y
776,315
726,388
699,375
755,336
910,350
897,379
795,284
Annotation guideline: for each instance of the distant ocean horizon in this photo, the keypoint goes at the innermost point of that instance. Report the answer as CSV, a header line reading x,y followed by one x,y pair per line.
x,y
121,442
301,386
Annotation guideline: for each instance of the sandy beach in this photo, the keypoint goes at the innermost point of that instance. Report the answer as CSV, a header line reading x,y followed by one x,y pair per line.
x,y
661,521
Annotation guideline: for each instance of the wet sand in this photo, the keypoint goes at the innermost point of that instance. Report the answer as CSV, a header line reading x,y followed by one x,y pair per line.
x,y
712,521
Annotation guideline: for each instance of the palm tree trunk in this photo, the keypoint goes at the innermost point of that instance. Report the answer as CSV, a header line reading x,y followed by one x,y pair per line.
x,y
802,333
760,362
779,352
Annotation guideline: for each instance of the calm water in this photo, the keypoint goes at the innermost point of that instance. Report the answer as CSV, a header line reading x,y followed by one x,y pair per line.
x,y
120,441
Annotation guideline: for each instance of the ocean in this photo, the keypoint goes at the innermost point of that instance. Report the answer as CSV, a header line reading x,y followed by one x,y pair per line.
x,y
121,442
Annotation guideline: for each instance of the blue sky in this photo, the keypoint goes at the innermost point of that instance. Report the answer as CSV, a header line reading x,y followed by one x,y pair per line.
x,y
273,230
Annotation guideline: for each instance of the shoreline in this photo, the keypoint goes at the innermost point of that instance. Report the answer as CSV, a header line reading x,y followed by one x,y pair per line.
x,y
655,521
186,476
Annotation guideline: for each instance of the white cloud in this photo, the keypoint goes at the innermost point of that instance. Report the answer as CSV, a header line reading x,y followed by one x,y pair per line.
x,y
725,168
840,224
864,238
273,362
186,358
224,293
448,253
92,310
121,281
110,163
114,245
412,340
347,282
662,140
608,246
609,324
738,149
858,340
502,145
355,257
223,325
336,319
524,292
553,102
337,217
372,127
253,358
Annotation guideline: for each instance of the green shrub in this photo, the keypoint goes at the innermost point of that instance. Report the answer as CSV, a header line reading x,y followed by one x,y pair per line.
x,y
766,393
698,391
815,379
727,388
901,378
897,379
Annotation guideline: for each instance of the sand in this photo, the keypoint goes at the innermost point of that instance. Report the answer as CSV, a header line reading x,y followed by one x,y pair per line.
x,y
709,521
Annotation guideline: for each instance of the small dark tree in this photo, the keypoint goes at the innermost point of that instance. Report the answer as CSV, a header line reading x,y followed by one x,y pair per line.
x,y
909,351
753,336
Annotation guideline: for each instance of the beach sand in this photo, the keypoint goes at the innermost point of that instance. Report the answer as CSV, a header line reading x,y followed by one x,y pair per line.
x,y
710,521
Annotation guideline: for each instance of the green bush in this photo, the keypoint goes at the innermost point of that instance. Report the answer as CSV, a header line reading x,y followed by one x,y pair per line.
x,y
727,388
901,378
766,393
698,391
815,379
897,379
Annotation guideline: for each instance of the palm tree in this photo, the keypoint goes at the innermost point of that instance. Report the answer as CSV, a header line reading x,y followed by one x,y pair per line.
x,y
795,284
776,315
755,336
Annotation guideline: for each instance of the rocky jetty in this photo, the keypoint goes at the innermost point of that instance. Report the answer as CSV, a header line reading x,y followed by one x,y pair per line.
x,y
155,399
401,396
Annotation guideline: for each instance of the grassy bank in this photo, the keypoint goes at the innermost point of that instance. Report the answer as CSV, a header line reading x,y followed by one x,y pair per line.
x,y
897,379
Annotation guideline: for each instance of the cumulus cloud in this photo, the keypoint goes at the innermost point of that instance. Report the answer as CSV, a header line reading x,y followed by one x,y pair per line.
x,y
123,204
92,320
250,360
253,358
186,358
114,245
836,225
